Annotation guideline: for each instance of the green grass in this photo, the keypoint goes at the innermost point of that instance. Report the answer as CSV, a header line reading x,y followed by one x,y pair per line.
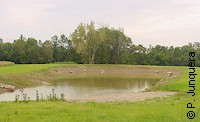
x,y
26,68
181,83
168,109
95,112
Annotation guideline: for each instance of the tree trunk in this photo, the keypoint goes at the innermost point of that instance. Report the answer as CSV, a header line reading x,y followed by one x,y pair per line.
x,y
92,56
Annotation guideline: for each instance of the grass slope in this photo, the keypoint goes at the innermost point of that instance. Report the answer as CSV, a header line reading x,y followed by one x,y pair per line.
x,y
26,68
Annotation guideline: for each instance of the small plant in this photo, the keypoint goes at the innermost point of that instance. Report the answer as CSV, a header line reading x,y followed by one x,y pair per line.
x,y
53,93
37,96
53,96
62,97
50,97
24,96
16,97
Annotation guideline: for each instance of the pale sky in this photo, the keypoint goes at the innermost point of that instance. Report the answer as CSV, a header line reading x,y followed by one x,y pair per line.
x,y
164,22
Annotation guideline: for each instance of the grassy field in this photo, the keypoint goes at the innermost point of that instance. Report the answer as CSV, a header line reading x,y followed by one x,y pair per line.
x,y
168,109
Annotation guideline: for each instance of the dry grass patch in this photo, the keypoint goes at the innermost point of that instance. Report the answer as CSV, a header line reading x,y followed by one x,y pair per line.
x,y
6,63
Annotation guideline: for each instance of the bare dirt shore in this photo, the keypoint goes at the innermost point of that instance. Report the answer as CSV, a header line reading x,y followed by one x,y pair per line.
x,y
121,71
128,96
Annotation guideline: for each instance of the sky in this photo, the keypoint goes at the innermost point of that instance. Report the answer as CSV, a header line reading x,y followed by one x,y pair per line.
x,y
146,22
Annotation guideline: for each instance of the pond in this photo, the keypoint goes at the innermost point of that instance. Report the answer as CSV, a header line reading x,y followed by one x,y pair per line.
x,y
83,88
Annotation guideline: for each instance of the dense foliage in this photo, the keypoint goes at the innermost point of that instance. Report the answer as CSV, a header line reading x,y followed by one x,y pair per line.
x,y
88,44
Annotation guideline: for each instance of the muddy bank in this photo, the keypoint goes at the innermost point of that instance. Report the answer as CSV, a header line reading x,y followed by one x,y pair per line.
x,y
2,91
121,71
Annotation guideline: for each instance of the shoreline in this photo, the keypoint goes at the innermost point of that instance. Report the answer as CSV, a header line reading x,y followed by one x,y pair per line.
x,y
129,97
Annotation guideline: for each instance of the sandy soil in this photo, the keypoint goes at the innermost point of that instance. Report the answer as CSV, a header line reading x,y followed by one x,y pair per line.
x,y
126,97
125,71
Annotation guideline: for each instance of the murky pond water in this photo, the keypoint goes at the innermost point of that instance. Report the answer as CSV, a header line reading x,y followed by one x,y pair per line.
x,y
78,88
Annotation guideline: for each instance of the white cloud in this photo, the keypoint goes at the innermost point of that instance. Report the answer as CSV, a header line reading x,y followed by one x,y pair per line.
x,y
143,20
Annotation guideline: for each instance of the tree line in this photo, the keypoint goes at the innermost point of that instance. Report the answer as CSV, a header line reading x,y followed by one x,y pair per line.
x,y
88,44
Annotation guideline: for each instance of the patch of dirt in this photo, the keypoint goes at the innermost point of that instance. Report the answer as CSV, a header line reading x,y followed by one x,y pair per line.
x,y
132,97
120,71
2,91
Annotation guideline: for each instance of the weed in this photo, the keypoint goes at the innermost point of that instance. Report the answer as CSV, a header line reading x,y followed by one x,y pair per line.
x,y
62,97
16,97
37,96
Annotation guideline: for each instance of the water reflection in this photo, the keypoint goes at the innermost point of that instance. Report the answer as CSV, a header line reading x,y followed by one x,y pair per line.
x,y
79,88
